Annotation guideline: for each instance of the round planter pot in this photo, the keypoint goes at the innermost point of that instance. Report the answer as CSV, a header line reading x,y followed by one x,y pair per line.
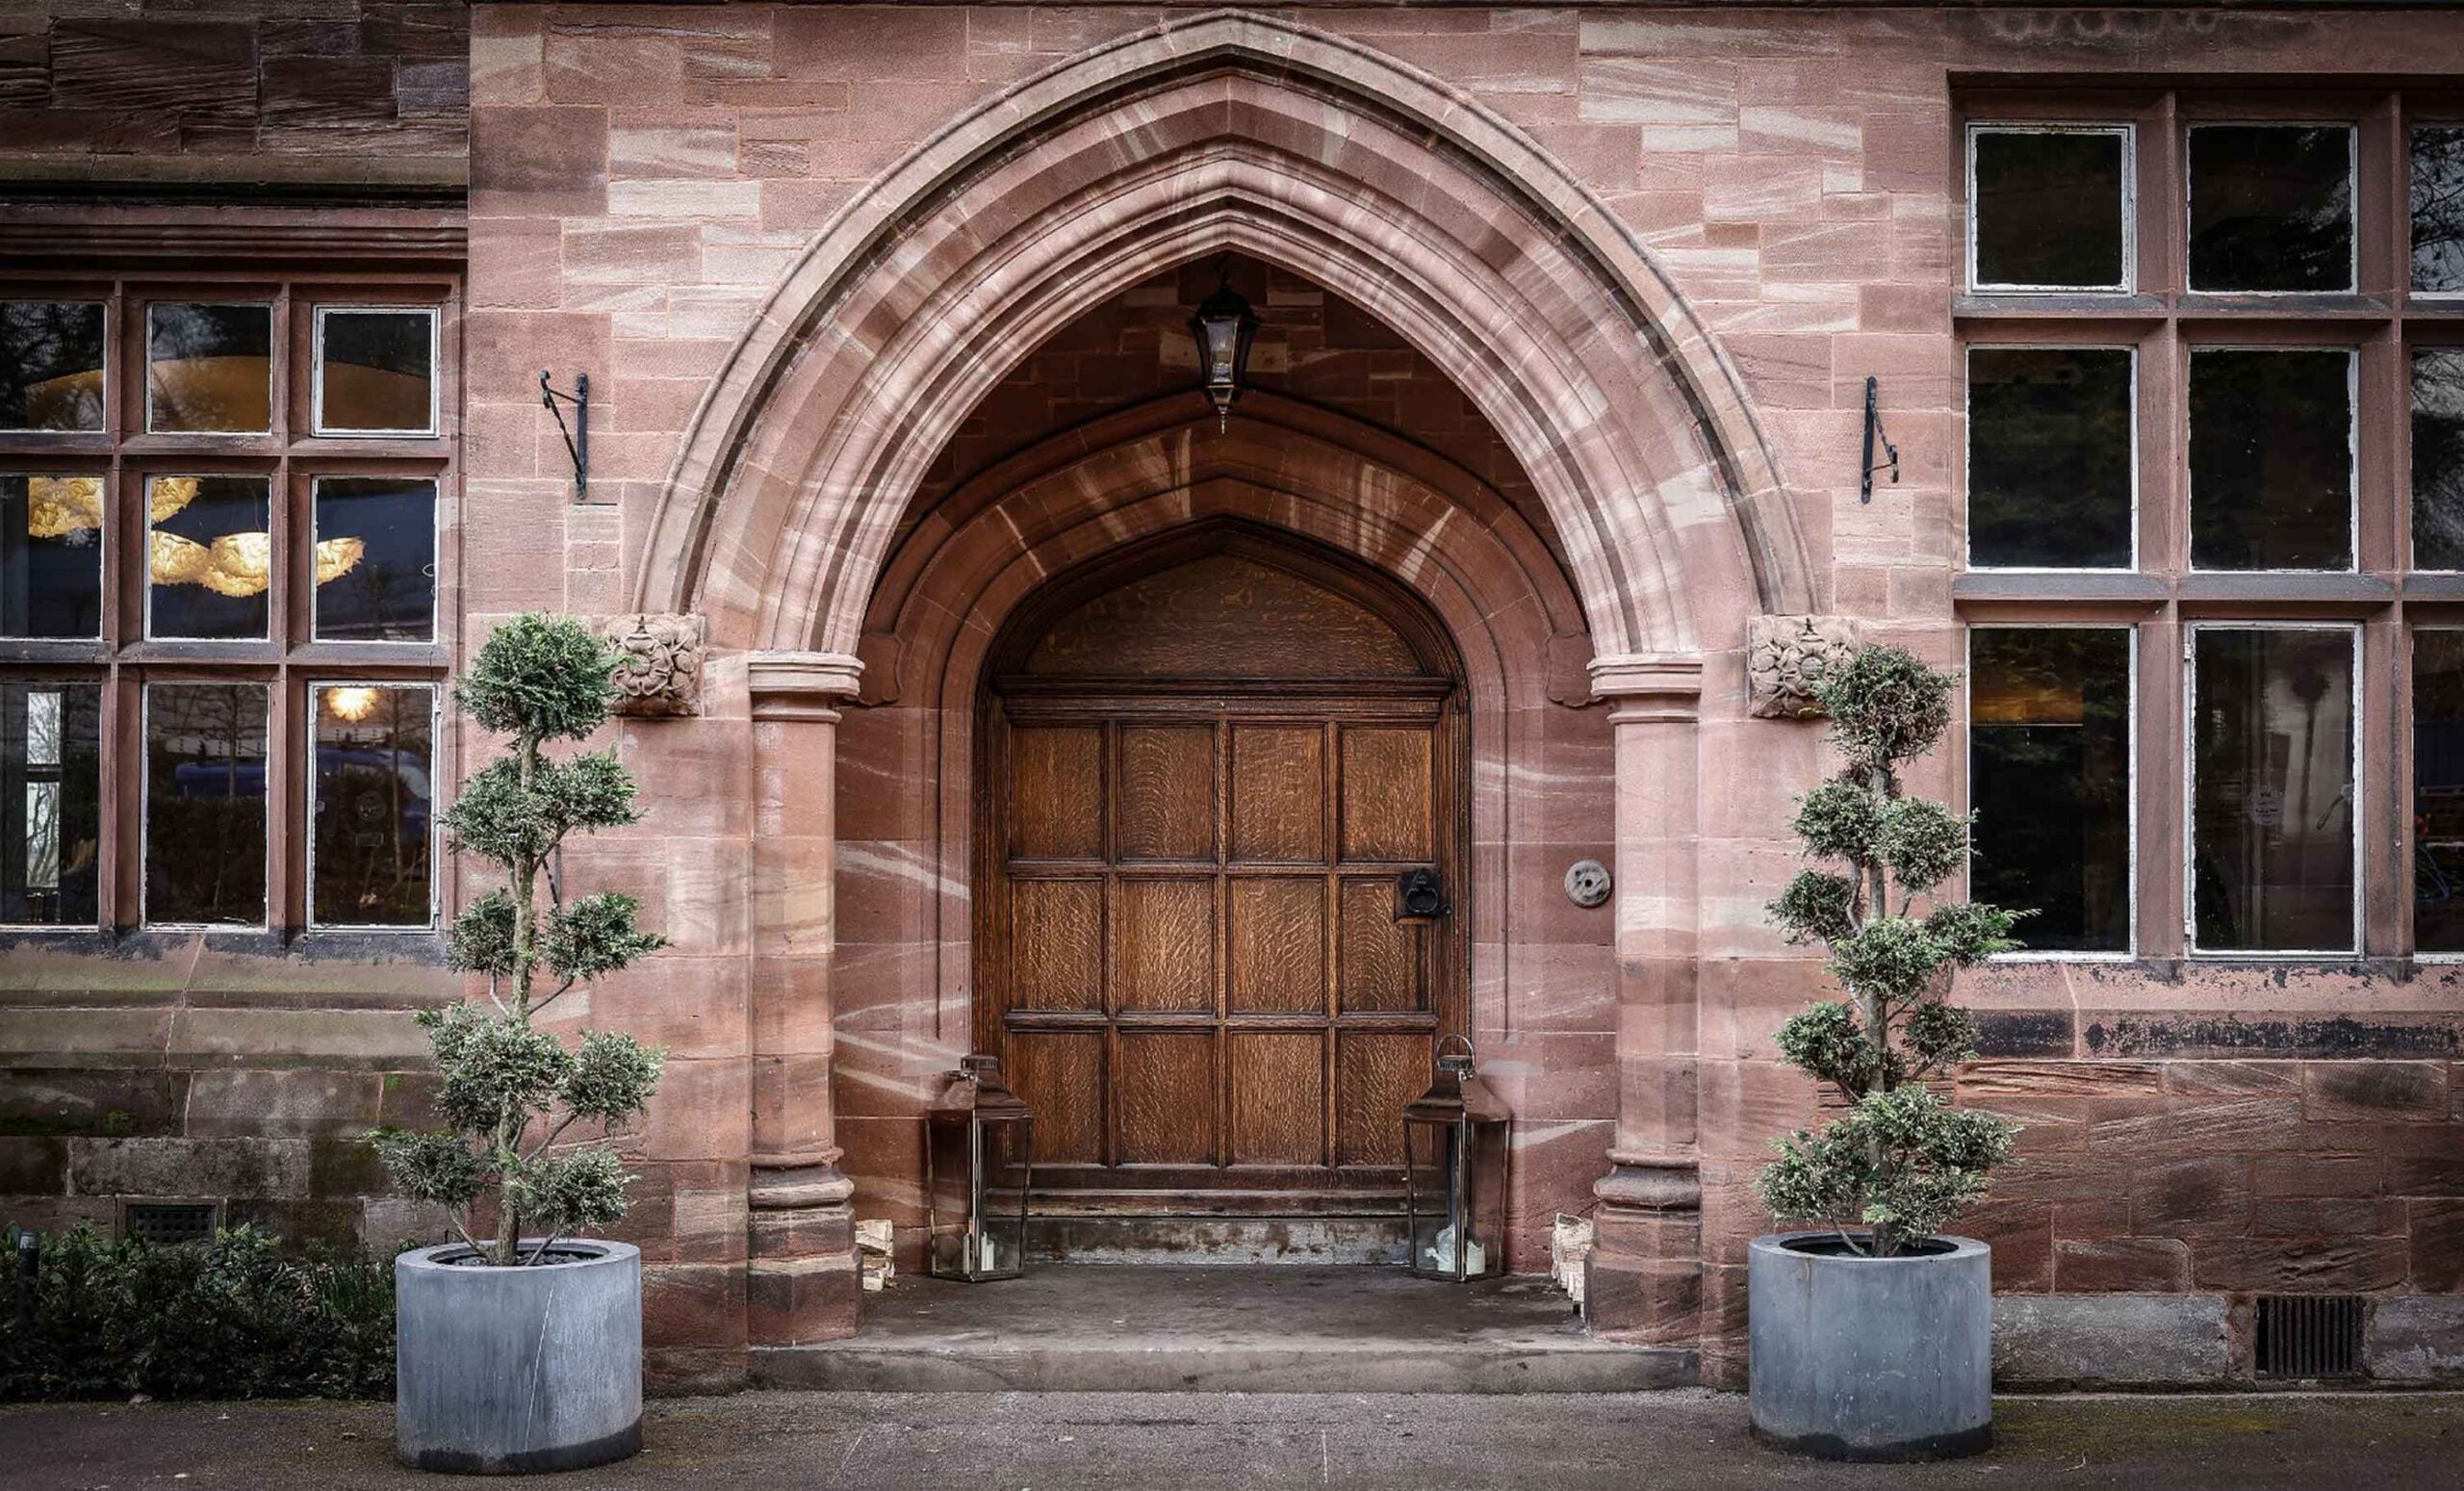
x,y
507,1371
1871,1359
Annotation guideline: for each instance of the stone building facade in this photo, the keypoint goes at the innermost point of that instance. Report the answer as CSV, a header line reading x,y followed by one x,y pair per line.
x,y
994,692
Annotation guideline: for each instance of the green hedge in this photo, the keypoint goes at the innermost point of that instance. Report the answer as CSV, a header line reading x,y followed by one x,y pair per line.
x,y
236,1317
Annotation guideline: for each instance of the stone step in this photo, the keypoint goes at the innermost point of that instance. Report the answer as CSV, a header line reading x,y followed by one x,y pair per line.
x,y
1124,1328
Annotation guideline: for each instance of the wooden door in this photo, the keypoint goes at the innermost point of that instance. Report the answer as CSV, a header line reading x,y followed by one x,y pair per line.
x,y
1190,950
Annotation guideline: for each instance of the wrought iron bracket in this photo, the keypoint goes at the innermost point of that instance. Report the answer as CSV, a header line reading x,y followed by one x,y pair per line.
x,y
577,434
1875,436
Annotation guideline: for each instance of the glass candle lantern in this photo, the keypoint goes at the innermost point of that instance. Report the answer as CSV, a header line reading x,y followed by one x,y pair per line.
x,y
1454,1143
979,1159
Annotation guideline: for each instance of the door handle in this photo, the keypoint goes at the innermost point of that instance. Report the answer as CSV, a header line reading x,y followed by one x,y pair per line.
x,y
1420,894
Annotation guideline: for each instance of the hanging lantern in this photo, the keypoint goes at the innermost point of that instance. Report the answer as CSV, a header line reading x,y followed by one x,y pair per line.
x,y
1455,1144
169,495
173,560
243,565
978,1158
337,558
59,507
1224,327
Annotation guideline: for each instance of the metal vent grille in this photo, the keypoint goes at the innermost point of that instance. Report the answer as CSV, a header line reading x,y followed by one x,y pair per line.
x,y
166,1223
2309,1335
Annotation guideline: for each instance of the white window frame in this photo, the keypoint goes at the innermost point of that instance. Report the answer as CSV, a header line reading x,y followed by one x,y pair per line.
x,y
146,561
102,432
2352,452
1967,456
146,807
435,551
2352,203
2413,127
316,425
62,684
2190,631
2128,134
2129,951
102,584
273,360
317,688
2411,353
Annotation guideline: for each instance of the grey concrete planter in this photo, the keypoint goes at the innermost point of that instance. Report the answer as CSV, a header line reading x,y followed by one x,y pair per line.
x,y
507,1371
1871,1359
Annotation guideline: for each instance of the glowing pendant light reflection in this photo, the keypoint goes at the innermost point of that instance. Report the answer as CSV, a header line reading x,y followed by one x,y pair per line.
x,y
353,704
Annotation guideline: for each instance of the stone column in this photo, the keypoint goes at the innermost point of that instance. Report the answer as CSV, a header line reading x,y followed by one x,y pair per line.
x,y
804,1282
1646,1269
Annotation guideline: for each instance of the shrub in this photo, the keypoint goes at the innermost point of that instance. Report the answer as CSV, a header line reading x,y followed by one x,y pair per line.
x,y
233,1316
1901,1163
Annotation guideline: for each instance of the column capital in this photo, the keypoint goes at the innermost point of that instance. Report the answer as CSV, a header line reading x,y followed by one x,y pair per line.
x,y
791,685
1648,686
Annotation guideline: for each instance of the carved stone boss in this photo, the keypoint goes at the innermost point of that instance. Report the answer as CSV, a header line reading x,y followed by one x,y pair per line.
x,y
659,671
1786,655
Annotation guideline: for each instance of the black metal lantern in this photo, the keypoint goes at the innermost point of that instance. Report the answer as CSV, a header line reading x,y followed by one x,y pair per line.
x,y
1224,327
1454,1138
979,1159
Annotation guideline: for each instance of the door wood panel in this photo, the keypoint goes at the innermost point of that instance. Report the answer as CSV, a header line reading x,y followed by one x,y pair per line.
x,y
1188,945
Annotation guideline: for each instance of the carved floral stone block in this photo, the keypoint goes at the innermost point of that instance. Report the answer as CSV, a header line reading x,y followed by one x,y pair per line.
x,y
1786,655
661,671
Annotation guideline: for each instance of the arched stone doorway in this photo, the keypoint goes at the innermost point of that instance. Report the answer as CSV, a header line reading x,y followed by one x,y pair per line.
x,y
1205,763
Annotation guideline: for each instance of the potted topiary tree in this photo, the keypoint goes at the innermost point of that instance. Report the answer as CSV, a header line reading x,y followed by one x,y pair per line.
x,y
519,1347
1871,1335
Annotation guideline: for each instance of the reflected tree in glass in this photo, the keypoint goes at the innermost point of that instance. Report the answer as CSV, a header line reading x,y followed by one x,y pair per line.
x,y
2270,207
208,368
375,559
50,803
2049,780
205,802
2438,790
376,370
2049,457
2271,865
51,365
2271,459
2438,458
373,789
2438,209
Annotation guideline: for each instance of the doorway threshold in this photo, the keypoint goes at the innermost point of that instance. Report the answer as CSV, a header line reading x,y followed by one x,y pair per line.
x,y
1222,1328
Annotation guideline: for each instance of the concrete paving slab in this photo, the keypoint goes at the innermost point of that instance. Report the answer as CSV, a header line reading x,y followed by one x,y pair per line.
x,y
1688,1440
1222,1329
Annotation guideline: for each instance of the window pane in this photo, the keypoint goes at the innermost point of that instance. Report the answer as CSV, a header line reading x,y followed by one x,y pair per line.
x,y
2438,207
2272,809
211,558
205,802
2049,777
375,371
2270,207
375,558
51,556
2438,791
2049,457
50,803
370,805
2271,460
210,368
2049,209
51,365
2438,459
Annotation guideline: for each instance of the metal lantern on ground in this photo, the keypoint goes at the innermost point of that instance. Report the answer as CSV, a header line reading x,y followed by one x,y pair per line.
x,y
1455,1139
1224,327
978,1158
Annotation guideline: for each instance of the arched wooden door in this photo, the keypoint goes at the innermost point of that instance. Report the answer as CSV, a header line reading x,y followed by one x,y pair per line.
x,y
1205,770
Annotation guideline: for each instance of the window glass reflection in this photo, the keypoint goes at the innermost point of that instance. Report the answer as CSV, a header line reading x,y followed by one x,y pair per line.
x,y
210,368
2272,864
2438,459
50,803
51,365
376,370
2049,457
2271,460
51,556
370,804
2438,791
2270,207
210,557
375,559
2438,209
2049,780
2049,209
205,804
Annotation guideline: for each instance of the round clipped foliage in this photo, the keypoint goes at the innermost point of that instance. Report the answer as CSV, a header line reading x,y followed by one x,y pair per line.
x,y
1923,843
1839,820
541,678
1884,706
1817,906
495,1071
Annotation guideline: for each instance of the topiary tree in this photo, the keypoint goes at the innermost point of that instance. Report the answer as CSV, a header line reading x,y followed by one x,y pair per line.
x,y
1902,1162
510,1092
